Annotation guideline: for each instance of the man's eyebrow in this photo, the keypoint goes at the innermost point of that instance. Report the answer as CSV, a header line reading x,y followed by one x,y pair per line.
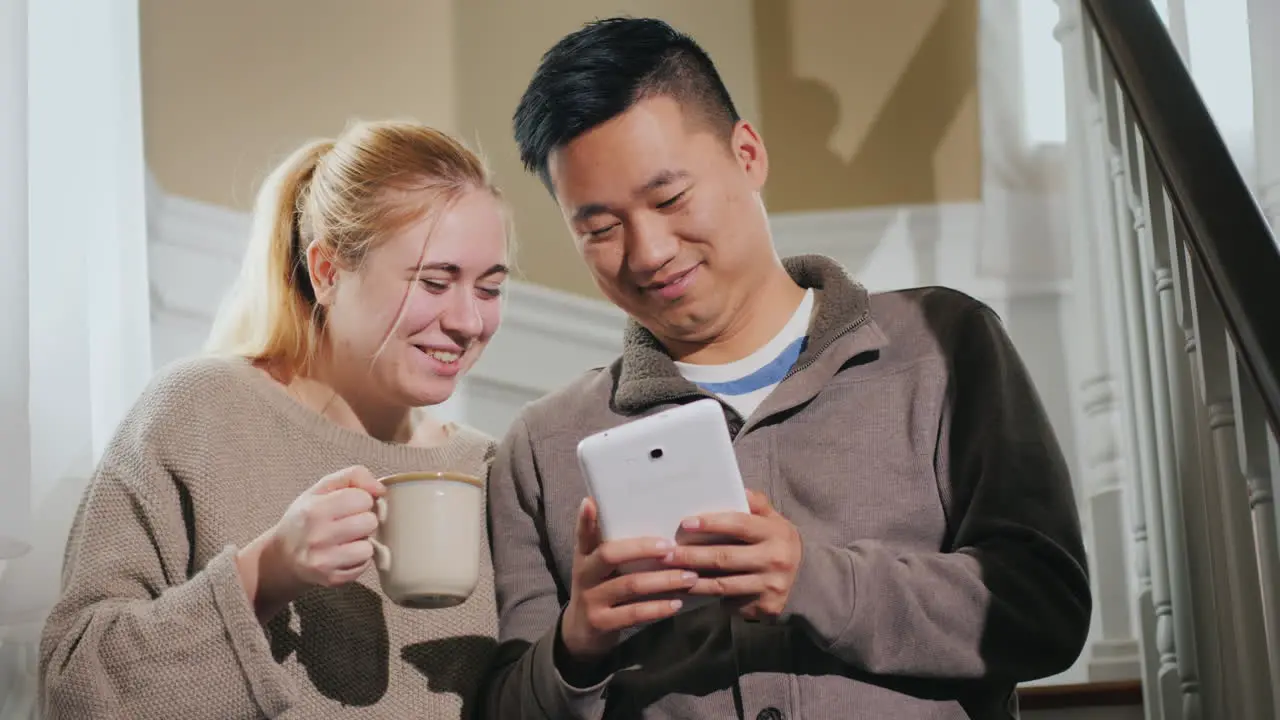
x,y
661,179
586,212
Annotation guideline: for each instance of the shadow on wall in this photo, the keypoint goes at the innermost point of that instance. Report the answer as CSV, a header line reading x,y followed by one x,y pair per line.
x,y
895,161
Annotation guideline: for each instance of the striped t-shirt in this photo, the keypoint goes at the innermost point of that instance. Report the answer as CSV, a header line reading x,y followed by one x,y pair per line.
x,y
745,383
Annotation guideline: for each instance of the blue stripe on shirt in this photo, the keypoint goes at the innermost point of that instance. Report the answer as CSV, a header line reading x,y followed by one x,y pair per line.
x,y
764,377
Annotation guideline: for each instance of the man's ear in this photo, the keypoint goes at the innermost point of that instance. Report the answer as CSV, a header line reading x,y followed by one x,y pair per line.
x,y
749,151
322,272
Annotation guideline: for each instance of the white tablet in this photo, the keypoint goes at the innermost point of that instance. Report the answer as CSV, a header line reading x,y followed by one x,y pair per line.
x,y
650,474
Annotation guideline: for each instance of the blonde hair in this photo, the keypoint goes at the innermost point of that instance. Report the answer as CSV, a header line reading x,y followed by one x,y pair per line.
x,y
347,194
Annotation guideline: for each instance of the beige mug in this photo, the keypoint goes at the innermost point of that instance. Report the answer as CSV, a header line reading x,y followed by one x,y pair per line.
x,y
427,546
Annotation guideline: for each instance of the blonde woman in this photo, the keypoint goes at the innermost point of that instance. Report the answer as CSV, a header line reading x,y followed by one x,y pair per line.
x,y
220,563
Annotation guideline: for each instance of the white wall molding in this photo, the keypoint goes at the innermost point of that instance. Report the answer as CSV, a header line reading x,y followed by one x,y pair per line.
x,y
900,246
883,247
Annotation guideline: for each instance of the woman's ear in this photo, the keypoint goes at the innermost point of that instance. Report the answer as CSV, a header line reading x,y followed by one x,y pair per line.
x,y
322,271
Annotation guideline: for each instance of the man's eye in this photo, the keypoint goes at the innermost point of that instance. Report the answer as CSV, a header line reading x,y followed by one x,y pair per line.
x,y
672,201
602,231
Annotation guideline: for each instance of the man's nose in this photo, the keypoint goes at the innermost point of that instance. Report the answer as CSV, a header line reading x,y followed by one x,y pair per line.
x,y
650,246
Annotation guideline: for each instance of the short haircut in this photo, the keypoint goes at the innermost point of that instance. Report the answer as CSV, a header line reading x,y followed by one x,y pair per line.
x,y
601,70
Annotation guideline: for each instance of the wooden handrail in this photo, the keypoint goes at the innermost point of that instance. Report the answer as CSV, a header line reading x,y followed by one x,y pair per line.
x,y
1095,694
1228,235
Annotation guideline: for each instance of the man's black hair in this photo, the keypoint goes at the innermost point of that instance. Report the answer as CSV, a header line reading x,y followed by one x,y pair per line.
x,y
601,70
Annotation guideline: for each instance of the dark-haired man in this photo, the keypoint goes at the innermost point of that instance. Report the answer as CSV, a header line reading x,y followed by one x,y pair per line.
x,y
913,548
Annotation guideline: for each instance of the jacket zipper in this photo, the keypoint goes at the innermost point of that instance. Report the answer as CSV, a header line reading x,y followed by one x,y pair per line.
x,y
735,428
862,320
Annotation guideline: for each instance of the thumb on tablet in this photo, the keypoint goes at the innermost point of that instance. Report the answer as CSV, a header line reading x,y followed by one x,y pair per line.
x,y
588,528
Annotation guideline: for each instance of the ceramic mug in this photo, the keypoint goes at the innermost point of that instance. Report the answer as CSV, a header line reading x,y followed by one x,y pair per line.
x,y
427,546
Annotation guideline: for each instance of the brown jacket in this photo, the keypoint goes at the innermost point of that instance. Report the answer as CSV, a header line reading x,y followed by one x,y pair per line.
x,y
942,561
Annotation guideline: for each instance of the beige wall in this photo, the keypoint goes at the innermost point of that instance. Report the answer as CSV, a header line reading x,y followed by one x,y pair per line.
x,y
861,102
231,86
868,102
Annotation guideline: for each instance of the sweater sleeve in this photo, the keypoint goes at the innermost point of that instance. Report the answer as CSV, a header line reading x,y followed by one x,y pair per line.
x,y
137,631
1008,597
524,683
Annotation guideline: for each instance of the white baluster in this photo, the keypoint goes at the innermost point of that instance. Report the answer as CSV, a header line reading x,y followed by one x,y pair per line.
x,y
1109,224
1114,653
1226,499
1146,411
1184,551
1197,525
1255,465
1171,394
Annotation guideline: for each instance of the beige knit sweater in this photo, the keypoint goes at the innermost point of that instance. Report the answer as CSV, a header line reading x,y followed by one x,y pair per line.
x,y
153,621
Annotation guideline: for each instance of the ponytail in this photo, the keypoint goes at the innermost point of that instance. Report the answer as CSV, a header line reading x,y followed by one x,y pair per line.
x,y
270,312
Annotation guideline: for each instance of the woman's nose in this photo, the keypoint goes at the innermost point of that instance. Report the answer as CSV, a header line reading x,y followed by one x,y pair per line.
x,y
463,315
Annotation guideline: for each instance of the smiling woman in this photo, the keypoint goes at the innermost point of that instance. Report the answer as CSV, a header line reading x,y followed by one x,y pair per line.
x,y
324,294
239,499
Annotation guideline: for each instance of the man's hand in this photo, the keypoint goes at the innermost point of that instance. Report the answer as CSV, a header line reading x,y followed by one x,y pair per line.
x,y
602,603
759,573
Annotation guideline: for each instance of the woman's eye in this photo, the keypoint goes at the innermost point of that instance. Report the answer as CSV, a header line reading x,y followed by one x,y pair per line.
x,y
434,285
491,292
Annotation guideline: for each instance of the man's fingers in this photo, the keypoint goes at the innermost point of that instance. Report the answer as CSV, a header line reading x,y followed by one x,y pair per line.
x,y
740,526
729,585
637,586
614,619
606,557
621,552
723,558
759,504
588,530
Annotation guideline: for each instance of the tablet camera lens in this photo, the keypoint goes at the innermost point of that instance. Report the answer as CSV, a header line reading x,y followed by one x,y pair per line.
x,y
655,453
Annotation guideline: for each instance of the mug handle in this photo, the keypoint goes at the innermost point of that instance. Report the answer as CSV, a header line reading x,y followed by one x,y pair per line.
x,y
381,553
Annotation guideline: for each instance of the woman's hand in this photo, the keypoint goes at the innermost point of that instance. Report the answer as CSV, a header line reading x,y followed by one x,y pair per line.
x,y
322,539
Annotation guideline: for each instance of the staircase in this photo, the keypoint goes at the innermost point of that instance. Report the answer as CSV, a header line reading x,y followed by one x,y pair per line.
x,y
1182,320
